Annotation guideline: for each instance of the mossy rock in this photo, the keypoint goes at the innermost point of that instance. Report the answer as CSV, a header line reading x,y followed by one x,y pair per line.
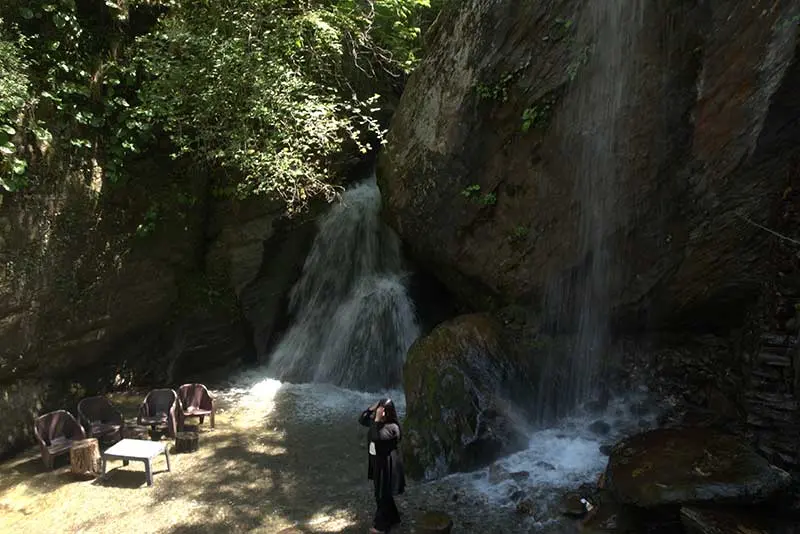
x,y
461,384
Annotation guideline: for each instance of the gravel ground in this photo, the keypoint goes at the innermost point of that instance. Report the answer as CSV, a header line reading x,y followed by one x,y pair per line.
x,y
280,457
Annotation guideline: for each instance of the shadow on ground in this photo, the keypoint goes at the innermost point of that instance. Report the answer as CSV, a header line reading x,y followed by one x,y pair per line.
x,y
258,471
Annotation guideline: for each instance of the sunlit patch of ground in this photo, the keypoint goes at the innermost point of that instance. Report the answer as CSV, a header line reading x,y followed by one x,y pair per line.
x,y
280,457
250,474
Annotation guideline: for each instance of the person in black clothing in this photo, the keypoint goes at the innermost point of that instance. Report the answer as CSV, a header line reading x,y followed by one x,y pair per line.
x,y
385,463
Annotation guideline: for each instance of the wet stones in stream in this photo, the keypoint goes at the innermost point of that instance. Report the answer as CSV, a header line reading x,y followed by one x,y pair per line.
x,y
600,427
575,505
498,474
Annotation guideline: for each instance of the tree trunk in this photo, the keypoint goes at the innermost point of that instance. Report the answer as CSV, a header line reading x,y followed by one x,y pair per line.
x,y
186,442
84,457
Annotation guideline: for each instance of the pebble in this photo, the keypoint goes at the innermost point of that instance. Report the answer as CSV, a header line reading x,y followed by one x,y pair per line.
x,y
600,427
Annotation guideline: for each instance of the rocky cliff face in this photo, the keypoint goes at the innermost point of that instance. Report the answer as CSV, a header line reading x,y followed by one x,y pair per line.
x,y
136,283
541,142
616,166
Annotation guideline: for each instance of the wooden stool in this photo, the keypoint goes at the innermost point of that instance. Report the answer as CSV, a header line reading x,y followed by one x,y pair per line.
x,y
84,457
135,432
186,441
434,523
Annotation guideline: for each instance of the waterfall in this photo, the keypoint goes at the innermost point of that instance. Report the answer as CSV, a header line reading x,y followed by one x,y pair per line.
x,y
353,318
595,154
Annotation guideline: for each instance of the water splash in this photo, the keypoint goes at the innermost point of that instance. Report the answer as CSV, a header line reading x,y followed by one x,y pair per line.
x,y
353,318
594,114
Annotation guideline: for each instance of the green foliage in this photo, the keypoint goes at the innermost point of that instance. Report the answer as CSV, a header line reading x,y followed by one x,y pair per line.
x,y
518,234
14,87
563,26
263,87
537,116
81,84
581,58
498,90
533,116
473,192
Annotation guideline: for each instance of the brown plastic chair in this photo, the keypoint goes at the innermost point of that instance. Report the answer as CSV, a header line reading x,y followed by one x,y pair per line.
x,y
196,401
56,432
100,418
159,409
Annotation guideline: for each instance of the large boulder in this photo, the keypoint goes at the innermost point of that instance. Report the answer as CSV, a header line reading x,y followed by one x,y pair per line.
x,y
543,144
464,389
690,465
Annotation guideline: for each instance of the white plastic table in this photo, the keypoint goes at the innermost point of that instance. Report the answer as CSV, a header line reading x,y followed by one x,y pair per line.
x,y
138,450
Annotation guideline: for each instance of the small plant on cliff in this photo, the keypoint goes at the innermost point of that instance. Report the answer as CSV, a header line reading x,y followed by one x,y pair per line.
x,y
518,233
498,90
539,115
563,26
534,116
473,192
580,59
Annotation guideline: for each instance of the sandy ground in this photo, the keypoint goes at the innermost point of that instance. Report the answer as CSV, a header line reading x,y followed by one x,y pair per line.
x,y
262,469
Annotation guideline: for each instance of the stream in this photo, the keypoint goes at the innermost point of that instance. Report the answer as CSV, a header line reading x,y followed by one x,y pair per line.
x,y
557,460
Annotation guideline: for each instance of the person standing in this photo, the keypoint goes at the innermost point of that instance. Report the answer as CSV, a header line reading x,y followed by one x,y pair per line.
x,y
385,463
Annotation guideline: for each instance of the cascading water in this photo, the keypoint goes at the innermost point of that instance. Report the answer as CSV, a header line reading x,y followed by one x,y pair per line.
x,y
353,319
594,112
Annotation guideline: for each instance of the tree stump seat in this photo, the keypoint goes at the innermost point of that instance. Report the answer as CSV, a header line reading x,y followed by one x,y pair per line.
x,y
84,457
186,442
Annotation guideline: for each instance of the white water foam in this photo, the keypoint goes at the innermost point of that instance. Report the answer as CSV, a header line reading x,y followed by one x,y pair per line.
x,y
312,402
559,459
353,318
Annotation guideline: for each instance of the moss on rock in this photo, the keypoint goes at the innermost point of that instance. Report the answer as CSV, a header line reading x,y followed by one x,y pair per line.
x,y
462,386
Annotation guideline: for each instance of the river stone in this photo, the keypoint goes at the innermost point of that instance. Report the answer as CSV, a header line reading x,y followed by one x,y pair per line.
x,y
571,505
541,464
498,473
463,388
600,427
519,476
689,465
526,507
